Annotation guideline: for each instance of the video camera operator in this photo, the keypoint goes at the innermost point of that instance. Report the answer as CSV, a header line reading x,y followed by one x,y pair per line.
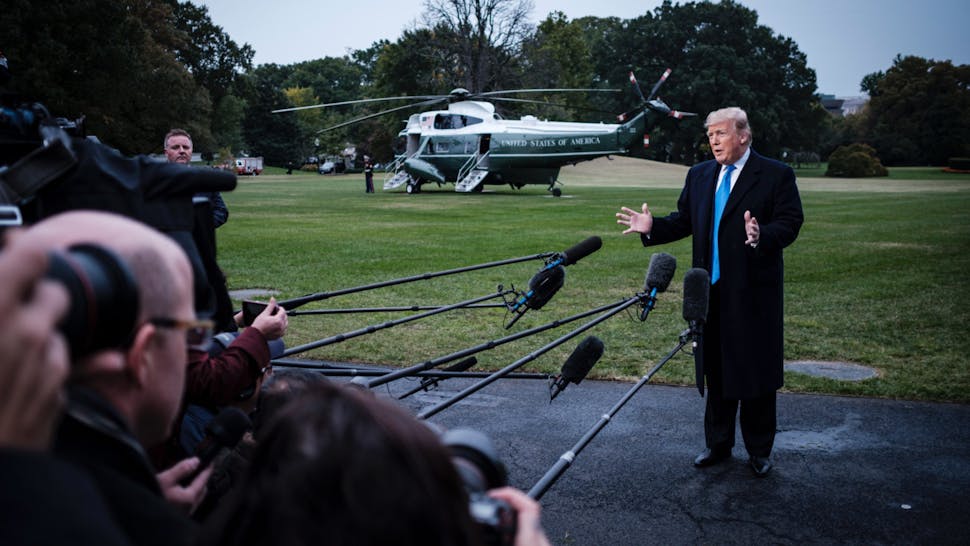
x,y
338,466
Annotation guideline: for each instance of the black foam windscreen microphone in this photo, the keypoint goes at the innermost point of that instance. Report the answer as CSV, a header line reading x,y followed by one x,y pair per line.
x,y
659,275
543,286
697,287
222,432
577,366
660,272
580,250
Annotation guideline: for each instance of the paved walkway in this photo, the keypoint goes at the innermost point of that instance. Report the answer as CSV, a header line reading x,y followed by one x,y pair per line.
x,y
847,470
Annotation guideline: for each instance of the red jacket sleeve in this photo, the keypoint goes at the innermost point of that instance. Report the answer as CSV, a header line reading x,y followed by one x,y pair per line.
x,y
213,381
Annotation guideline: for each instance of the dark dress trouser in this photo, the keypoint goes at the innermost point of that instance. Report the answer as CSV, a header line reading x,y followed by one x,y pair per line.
x,y
757,414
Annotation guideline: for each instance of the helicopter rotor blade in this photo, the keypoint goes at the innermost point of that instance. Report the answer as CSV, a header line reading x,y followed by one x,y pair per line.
x,y
360,101
681,115
381,113
561,90
657,85
509,99
636,87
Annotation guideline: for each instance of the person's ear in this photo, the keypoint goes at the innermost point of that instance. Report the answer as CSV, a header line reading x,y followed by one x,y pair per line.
x,y
138,359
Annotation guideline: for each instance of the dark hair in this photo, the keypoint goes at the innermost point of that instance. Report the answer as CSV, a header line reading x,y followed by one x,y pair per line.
x,y
338,466
279,388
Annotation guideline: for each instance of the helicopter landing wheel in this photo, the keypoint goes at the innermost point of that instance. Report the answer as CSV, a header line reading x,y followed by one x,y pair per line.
x,y
413,188
556,192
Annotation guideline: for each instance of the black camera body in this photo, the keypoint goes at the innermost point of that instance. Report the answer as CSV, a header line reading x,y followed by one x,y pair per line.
x,y
480,469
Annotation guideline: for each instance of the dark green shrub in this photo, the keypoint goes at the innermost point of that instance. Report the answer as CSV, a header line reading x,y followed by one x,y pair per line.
x,y
855,161
959,163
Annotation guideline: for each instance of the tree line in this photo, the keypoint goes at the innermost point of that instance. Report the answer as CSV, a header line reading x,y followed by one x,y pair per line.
x,y
136,68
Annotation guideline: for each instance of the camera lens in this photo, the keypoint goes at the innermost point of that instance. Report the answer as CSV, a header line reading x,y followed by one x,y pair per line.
x,y
476,459
103,296
480,468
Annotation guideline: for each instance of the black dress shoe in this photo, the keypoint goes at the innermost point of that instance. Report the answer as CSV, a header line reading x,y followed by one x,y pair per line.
x,y
760,465
710,457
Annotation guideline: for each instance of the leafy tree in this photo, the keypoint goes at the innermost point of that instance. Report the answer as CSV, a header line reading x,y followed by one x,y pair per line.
x,y
721,57
480,39
921,112
212,57
227,120
870,83
278,139
557,56
100,59
412,66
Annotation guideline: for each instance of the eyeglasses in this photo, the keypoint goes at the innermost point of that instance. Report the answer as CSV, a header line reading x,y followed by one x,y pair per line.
x,y
198,333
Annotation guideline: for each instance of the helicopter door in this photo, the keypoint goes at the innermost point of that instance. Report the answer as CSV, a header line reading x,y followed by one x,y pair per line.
x,y
412,144
484,142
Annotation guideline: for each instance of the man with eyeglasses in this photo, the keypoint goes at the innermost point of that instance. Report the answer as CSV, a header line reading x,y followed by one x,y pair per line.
x,y
122,401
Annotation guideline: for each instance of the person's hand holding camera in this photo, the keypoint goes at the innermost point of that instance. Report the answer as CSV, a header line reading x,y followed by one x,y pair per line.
x,y
529,530
33,355
272,321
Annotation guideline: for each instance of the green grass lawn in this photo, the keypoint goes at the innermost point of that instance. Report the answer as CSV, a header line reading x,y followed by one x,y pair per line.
x,y
877,276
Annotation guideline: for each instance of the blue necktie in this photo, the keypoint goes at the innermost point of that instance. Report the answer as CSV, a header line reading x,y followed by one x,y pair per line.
x,y
720,199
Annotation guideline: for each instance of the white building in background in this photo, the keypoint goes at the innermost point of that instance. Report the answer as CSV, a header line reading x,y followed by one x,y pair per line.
x,y
843,106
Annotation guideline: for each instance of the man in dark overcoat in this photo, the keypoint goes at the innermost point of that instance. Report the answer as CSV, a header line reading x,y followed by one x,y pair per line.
x,y
757,214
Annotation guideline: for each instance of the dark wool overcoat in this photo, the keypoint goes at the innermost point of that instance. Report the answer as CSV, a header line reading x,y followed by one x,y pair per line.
x,y
751,285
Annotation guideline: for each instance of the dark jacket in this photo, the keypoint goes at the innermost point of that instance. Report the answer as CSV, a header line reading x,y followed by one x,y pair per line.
x,y
96,439
751,285
44,501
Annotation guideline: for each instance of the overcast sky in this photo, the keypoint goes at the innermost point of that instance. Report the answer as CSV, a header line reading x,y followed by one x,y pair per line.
x,y
843,39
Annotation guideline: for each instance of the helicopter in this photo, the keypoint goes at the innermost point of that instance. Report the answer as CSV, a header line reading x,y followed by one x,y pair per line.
x,y
471,145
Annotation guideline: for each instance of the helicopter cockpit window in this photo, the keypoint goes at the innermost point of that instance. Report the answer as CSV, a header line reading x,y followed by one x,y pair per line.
x,y
441,147
443,121
454,121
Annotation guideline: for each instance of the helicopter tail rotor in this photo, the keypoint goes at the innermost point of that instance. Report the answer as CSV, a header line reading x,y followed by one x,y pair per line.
x,y
657,85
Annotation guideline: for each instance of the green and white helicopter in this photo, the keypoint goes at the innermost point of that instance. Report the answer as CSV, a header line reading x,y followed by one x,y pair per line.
x,y
472,146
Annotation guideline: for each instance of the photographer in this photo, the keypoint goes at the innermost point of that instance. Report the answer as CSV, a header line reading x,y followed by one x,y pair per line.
x,y
33,368
342,467
124,396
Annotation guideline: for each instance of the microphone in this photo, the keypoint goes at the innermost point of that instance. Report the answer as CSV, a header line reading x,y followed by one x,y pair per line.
x,y
578,251
697,285
577,366
544,284
223,432
659,274
542,287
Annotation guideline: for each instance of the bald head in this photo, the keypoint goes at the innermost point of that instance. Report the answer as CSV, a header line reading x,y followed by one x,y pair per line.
x,y
157,262
144,382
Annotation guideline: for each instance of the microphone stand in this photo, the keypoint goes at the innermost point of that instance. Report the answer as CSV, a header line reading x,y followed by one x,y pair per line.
x,y
411,370
369,372
528,358
566,459
389,309
303,300
376,327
